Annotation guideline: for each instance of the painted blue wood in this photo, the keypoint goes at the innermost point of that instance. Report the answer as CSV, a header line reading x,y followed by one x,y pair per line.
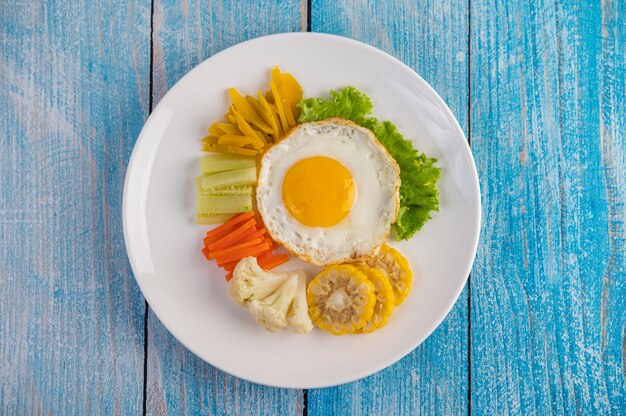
x,y
184,35
548,297
74,82
548,291
431,37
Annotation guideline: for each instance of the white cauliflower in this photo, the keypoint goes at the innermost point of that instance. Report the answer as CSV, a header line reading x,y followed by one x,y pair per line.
x,y
251,282
298,320
271,312
276,300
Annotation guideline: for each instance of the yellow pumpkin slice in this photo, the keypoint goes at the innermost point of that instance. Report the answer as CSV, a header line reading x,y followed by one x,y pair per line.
x,y
247,111
246,129
270,117
278,102
217,129
232,140
289,90
210,140
219,148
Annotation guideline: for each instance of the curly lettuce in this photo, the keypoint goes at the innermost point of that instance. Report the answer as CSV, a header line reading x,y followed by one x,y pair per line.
x,y
419,196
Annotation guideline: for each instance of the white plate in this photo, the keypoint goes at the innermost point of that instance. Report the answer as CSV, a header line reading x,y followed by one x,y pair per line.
x,y
189,295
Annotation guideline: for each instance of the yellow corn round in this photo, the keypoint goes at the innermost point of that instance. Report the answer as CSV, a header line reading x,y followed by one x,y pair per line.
x,y
341,299
396,267
384,299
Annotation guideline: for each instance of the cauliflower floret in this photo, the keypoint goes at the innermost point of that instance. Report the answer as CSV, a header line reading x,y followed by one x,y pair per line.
x,y
251,282
271,312
276,300
298,320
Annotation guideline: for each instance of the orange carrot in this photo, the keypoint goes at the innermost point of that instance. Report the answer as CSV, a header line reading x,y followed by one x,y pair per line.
x,y
230,266
224,264
276,261
205,251
266,256
216,254
250,233
244,252
229,275
210,240
226,227
224,241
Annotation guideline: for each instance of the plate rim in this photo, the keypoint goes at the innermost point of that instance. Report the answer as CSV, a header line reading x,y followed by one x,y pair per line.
x,y
143,140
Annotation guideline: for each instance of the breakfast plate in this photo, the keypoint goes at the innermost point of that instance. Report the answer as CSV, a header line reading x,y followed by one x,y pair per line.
x,y
190,296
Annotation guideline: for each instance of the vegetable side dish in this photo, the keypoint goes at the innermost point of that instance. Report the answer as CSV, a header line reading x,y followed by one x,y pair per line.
x,y
322,180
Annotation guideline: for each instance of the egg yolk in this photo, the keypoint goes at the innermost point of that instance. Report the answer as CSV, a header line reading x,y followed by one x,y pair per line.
x,y
318,191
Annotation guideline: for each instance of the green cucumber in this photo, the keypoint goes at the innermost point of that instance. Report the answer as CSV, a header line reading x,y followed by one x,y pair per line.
x,y
228,190
224,162
223,204
209,219
232,177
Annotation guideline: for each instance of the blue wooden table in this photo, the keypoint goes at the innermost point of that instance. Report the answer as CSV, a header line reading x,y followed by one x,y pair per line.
x,y
540,90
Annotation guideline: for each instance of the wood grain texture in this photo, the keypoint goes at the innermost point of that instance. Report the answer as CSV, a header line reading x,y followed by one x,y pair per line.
x,y
431,37
548,128
184,35
74,84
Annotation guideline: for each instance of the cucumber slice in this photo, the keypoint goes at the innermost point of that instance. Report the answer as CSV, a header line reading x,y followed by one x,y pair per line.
x,y
209,219
221,162
228,190
223,204
232,177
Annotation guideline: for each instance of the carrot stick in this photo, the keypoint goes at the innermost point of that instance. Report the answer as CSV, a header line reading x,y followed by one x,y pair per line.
x,y
266,256
224,228
223,242
230,266
233,249
205,251
249,234
210,240
229,275
276,261
245,252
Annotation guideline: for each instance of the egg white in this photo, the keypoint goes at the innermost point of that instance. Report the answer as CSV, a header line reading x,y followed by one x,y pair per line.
x,y
376,179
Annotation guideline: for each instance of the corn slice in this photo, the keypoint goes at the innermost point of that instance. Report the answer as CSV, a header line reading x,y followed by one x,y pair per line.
x,y
396,267
384,305
341,299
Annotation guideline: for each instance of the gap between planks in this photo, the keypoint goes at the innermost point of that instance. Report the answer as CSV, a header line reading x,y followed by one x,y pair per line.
x,y
469,142
146,307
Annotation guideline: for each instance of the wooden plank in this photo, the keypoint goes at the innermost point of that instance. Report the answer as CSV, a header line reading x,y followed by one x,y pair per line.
x,y
184,35
74,84
431,37
548,115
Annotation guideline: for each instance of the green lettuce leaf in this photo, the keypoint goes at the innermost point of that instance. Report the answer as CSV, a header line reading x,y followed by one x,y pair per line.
x,y
419,175
348,103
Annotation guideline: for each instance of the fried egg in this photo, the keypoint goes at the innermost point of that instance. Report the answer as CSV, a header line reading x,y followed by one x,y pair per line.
x,y
328,192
